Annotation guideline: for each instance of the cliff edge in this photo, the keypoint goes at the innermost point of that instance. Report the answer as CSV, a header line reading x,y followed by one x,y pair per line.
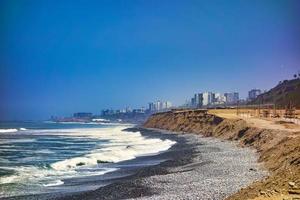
x,y
278,150
281,95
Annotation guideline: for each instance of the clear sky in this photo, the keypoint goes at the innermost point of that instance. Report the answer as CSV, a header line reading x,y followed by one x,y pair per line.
x,y
58,57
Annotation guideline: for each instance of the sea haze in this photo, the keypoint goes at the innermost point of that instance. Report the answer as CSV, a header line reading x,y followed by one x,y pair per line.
x,y
53,157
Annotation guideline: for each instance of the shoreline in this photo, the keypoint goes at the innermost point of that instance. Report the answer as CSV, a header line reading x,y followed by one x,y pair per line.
x,y
195,167
116,178
278,150
187,169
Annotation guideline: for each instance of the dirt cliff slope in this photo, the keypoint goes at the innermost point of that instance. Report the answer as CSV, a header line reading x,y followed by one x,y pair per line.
x,y
278,150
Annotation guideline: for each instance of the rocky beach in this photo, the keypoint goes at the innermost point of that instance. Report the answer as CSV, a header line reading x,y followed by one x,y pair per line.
x,y
278,149
213,158
196,167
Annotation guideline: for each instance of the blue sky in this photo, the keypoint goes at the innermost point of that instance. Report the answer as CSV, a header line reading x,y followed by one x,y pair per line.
x,y
59,57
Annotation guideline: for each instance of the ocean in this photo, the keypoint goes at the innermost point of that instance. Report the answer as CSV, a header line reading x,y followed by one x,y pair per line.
x,y
47,157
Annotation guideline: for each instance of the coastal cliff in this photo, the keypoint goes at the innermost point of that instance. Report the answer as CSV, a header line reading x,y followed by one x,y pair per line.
x,y
278,150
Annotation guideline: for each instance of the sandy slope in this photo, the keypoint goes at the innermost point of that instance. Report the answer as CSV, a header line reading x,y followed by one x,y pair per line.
x,y
264,123
279,149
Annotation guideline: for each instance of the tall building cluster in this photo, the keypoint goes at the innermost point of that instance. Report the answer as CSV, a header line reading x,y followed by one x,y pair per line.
x,y
206,99
159,106
153,107
252,94
232,97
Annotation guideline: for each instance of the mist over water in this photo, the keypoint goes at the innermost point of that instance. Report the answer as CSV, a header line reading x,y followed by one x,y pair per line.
x,y
43,157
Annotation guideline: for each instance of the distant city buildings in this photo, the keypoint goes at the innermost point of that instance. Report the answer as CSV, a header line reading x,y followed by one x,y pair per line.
x,y
207,99
159,106
167,105
220,99
139,110
232,97
81,115
252,94
77,117
110,112
197,100
153,107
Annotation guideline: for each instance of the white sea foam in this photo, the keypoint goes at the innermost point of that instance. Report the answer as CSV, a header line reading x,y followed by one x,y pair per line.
x,y
23,129
129,146
7,179
100,120
122,145
54,183
94,123
10,130
12,141
46,177
45,151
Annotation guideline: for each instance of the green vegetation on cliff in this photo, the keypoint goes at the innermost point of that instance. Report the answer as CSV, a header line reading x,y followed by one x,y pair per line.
x,y
284,93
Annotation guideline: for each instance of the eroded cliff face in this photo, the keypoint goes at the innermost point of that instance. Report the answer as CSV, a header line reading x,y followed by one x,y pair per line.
x,y
278,150
195,122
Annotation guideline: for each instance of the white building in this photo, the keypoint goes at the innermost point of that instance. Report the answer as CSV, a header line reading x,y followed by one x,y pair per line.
x,y
207,98
167,105
232,97
219,98
159,105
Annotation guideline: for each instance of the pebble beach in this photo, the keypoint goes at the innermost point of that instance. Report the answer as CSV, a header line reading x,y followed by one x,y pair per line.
x,y
196,167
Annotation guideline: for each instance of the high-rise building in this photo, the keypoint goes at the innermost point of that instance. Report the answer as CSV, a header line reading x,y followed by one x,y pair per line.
x,y
207,98
159,105
128,109
197,100
232,97
219,98
166,105
151,107
252,94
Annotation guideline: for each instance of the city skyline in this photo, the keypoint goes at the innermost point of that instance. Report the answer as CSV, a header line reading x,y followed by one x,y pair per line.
x,y
199,100
58,58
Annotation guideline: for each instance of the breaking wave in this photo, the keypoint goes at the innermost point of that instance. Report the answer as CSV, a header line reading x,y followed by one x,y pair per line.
x,y
115,154
123,146
10,130
120,145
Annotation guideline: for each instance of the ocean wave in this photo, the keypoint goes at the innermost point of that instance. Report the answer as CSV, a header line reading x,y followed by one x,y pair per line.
x,y
13,141
122,145
100,120
54,183
93,123
10,130
130,145
45,176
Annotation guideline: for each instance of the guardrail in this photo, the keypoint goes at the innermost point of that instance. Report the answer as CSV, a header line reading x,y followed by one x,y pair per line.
x,y
266,112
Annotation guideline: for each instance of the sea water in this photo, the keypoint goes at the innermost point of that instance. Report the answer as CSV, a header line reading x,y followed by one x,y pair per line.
x,y
40,157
